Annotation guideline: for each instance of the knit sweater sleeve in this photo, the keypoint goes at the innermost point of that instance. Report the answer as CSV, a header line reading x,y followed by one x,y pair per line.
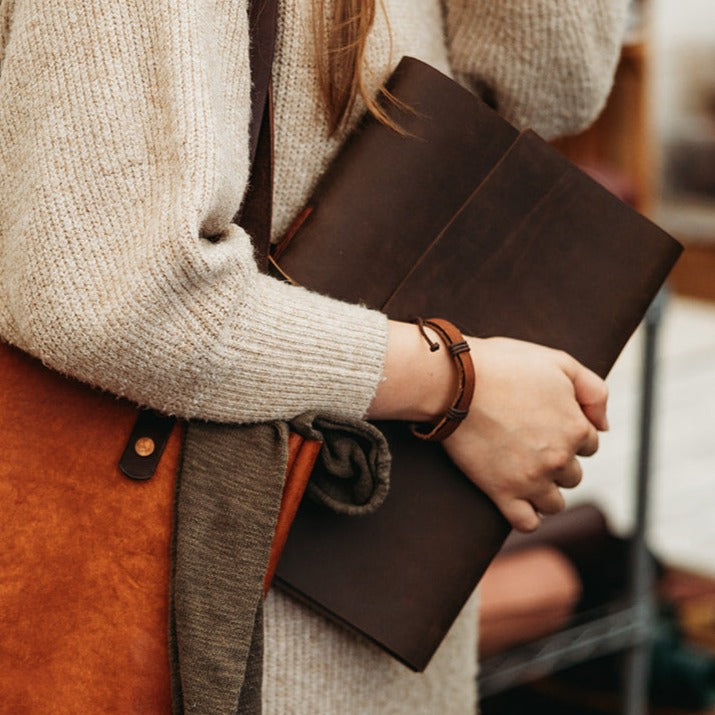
x,y
549,63
123,146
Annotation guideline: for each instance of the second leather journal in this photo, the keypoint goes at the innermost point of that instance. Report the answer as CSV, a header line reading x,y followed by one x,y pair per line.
x,y
466,218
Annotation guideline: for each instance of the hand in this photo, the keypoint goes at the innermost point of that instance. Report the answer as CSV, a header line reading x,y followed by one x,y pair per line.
x,y
534,410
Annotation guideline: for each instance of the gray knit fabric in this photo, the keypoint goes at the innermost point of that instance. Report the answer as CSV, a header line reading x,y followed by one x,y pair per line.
x,y
356,458
227,504
227,499
249,702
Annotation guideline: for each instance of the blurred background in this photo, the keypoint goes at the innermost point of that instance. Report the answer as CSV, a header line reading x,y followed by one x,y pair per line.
x,y
654,146
656,143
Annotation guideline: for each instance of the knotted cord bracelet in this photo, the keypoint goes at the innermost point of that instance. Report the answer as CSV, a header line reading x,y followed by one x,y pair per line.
x,y
459,351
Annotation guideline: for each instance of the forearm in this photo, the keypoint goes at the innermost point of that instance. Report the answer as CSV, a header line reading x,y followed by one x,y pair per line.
x,y
121,150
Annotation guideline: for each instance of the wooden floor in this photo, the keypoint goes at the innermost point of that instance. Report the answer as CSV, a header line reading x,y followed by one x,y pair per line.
x,y
682,501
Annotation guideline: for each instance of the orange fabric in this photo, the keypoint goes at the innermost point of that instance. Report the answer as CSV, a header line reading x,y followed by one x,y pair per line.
x,y
85,551
84,555
302,454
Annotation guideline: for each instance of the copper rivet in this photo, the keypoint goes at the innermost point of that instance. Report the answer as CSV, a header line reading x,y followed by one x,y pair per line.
x,y
144,446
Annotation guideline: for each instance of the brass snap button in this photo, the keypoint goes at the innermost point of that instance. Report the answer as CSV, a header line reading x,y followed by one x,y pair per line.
x,y
144,446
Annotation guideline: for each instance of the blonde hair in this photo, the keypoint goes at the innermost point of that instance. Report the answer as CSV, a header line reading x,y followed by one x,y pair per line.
x,y
340,45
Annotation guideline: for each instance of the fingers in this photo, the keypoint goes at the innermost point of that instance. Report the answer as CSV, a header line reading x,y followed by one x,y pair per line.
x,y
521,515
596,414
588,444
592,394
550,502
569,476
524,514
590,391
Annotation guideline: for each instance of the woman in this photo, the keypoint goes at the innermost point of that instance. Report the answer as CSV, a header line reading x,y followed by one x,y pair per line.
x,y
124,147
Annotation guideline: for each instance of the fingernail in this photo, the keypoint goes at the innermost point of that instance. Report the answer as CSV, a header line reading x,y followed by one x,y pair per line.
x,y
606,425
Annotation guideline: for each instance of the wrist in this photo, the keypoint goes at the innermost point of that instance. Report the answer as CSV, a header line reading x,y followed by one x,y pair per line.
x,y
417,384
442,379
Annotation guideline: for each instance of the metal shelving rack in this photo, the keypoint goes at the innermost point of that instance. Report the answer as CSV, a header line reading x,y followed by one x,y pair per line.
x,y
624,626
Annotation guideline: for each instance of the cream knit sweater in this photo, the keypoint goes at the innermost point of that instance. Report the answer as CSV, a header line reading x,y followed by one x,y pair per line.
x,y
123,143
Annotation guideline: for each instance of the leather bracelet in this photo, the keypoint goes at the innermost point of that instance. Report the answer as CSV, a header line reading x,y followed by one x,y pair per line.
x,y
458,349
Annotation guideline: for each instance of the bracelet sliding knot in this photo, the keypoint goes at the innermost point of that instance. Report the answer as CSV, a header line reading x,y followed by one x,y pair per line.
x,y
453,413
460,347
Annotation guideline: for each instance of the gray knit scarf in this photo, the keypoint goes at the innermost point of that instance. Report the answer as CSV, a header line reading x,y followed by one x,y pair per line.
x,y
226,505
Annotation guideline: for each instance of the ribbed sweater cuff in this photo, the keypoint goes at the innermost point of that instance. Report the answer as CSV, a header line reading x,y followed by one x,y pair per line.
x,y
306,352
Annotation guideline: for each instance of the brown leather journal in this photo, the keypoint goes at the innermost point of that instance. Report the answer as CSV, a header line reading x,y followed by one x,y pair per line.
x,y
465,218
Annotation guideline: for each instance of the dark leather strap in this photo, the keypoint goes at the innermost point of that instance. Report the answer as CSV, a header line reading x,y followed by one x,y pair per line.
x,y
459,351
257,209
262,17
152,430
146,444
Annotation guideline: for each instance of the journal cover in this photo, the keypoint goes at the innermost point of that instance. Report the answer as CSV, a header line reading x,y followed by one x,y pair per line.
x,y
465,218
